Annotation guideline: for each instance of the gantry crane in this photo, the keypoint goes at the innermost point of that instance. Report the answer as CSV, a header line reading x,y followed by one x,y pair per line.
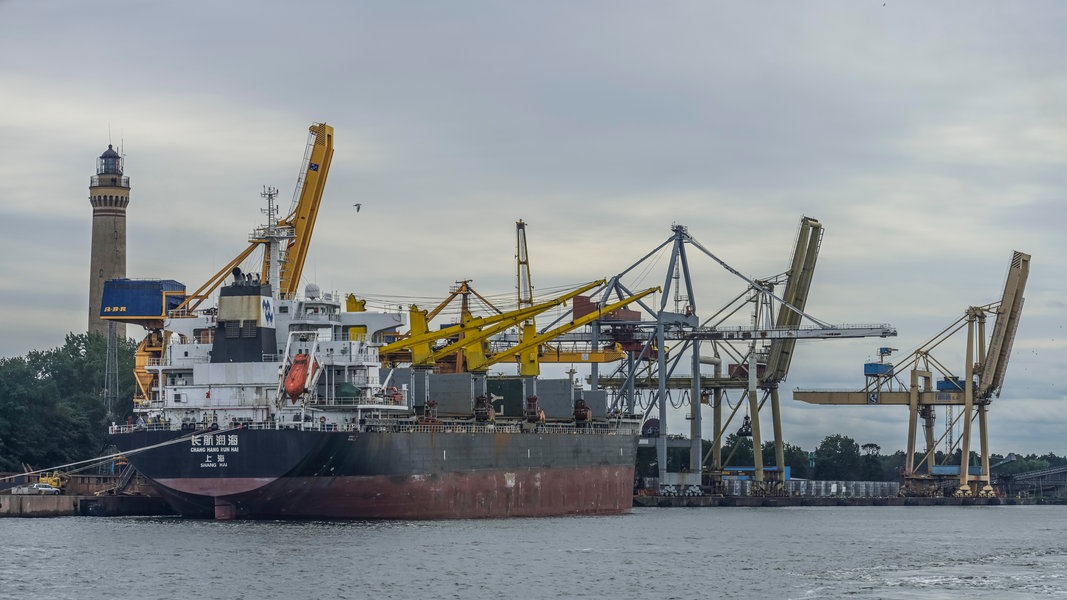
x,y
763,365
983,376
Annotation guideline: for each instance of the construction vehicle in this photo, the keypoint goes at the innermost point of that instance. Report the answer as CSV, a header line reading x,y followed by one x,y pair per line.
x,y
56,479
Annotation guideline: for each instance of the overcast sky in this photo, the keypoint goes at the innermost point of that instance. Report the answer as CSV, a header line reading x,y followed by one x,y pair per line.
x,y
929,138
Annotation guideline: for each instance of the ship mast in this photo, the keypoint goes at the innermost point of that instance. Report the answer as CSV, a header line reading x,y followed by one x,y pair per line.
x,y
277,235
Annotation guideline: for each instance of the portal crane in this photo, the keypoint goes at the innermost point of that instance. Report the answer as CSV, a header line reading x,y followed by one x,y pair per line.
x,y
769,340
983,377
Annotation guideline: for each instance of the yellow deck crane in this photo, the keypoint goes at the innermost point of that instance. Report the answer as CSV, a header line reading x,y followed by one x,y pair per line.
x,y
403,349
983,376
300,221
469,339
546,352
419,343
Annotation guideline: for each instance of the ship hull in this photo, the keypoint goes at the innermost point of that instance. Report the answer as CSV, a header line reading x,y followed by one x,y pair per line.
x,y
279,473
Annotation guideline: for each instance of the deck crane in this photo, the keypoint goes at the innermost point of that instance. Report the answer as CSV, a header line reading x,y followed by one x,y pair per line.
x,y
469,339
307,198
403,348
300,222
983,376
420,339
546,352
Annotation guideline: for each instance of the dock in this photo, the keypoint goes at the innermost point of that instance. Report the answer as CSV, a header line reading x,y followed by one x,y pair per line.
x,y
786,501
15,505
83,495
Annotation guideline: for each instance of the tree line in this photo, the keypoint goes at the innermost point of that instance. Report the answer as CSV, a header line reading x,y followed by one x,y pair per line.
x,y
838,458
52,408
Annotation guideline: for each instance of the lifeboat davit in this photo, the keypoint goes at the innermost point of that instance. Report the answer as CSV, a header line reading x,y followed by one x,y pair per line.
x,y
297,377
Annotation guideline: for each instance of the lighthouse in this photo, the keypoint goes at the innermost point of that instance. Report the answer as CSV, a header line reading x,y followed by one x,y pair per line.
x,y
109,194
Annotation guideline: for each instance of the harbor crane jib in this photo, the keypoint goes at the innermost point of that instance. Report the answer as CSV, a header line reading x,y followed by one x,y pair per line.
x,y
911,382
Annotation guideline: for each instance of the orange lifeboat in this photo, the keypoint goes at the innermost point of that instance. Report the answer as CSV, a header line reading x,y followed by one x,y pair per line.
x,y
297,376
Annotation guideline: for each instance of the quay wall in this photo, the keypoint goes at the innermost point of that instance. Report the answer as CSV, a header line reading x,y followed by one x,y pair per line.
x,y
15,505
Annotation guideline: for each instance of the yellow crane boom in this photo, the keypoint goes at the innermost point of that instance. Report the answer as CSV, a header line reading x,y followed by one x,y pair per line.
x,y
420,339
305,210
531,367
301,219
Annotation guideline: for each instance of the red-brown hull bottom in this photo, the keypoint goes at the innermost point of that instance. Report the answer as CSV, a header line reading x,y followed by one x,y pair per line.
x,y
597,490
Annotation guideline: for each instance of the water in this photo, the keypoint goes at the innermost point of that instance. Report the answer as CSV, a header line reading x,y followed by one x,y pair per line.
x,y
861,552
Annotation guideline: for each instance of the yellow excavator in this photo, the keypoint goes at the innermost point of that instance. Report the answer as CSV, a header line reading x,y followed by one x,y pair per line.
x,y
56,479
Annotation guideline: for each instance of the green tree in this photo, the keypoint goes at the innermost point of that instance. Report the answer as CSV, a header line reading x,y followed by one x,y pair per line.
x,y
52,411
871,468
838,457
737,451
796,458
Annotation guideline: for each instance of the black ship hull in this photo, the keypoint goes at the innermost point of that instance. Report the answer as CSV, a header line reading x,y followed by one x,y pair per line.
x,y
421,473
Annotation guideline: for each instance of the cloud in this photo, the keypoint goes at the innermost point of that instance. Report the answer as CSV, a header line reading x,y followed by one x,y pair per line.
x,y
928,140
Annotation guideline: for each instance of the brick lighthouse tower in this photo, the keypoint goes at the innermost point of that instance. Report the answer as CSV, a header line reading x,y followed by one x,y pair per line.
x,y
109,193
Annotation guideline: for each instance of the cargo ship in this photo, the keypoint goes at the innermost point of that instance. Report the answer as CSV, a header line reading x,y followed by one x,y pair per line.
x,y
275,405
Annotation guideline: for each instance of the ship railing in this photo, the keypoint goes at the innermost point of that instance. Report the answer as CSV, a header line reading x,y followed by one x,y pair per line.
x,y
362,400
181,361
508,427
151,426
446,427
585,429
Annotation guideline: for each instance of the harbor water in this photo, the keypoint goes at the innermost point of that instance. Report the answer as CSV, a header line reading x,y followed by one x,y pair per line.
x,y
804,552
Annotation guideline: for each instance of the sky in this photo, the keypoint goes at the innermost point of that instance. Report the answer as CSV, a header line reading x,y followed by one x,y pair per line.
x,y
930,140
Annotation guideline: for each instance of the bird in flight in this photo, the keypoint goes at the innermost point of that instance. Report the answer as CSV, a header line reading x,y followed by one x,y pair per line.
x,y
357,206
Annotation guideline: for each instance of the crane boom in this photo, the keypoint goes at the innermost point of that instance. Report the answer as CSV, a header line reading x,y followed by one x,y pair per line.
x,y
301,220
305,209
801,271
518,351
422,336
525,283
1003,336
